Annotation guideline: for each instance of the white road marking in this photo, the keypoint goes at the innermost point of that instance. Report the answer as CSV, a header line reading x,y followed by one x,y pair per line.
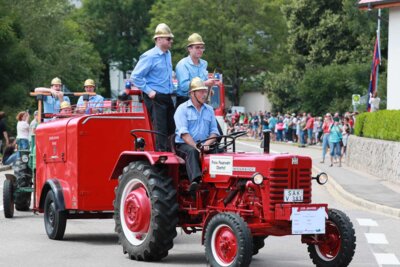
x,y
386,258
367,222
375,238
1,208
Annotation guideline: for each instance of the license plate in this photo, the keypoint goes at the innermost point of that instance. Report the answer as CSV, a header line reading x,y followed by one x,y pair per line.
x,y
293,195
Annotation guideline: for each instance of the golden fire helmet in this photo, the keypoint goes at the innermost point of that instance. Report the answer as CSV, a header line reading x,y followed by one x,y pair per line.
x,y
195,39
89,82
197,84
162,30
56,80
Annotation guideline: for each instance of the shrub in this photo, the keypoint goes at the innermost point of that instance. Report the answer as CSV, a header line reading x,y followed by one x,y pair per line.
x,y
384,124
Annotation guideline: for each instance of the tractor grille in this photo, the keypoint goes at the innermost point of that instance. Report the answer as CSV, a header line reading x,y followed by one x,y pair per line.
x,y
293,178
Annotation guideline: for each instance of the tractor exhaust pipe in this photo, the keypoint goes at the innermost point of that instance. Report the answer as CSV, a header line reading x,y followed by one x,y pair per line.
x,y
267,140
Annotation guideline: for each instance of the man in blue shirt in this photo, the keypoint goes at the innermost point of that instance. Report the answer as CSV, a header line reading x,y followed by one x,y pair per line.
x,y
190,67
153,76
95,102
195,121
51,104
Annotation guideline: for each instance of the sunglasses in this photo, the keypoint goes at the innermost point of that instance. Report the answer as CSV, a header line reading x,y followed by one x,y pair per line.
x,y
199,47
169,39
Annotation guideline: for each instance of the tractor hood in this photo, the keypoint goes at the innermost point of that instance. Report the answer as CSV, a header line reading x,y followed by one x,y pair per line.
x,y
221,167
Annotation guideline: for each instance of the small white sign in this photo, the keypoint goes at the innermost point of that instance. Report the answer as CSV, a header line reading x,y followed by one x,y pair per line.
x,y
355,99
293,195
308,220
221,165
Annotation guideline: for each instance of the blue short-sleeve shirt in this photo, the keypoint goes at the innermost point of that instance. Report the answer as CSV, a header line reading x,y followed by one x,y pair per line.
x,y
186,70
199,124
154,72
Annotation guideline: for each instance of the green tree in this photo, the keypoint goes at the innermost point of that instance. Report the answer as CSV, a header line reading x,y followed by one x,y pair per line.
x,y
38,41
242,39
330,46
116,28
329,88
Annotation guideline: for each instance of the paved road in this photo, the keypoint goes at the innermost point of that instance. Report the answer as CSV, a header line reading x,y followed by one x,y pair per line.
x,y
23,241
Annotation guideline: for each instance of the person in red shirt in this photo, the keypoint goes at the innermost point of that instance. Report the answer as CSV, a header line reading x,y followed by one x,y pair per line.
x,y
310,127
325,137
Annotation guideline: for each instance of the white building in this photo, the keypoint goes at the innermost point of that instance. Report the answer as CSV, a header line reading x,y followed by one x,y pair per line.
x,y
393,77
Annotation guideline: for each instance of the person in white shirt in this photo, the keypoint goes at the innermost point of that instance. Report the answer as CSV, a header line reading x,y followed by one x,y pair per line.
x,y
23,130
374,101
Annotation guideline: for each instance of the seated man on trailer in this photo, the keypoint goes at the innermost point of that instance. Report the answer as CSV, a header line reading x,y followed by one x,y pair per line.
x,y
95,102
195,121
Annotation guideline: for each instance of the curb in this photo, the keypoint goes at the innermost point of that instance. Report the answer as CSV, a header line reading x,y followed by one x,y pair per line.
x,y
333,185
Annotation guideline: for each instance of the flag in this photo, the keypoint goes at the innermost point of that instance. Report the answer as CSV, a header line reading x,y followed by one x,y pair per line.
x,y
373,79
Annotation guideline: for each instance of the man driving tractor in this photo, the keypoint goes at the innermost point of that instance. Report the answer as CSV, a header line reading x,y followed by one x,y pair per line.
x,y
195,121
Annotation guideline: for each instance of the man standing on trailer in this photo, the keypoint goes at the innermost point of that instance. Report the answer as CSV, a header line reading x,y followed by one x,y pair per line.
x,y
153,76
190,67
51,104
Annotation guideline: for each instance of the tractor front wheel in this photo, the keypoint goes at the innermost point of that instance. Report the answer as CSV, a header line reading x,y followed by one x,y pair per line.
x,y
8,198
145,212
336,247
228,241
55,220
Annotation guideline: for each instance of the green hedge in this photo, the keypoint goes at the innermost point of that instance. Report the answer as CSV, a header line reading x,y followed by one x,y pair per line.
x,y
384,124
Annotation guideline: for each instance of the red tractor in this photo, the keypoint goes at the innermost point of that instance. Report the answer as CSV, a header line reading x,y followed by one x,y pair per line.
x,y
243,198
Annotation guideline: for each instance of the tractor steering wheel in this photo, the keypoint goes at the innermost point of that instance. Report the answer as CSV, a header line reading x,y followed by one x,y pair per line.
x,y
218,144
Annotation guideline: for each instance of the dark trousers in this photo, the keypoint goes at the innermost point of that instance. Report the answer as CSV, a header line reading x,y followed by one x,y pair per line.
x,y
180,100
149,105
192,159
163,120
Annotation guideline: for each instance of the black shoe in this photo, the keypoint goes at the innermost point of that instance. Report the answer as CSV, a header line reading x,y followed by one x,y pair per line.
x,y
193,187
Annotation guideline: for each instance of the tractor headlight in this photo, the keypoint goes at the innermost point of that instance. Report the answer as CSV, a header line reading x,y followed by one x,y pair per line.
x,y
24,158
257,178
322,178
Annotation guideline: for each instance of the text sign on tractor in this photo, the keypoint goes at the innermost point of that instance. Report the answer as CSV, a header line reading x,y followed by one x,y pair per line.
x,y
221,165
308,220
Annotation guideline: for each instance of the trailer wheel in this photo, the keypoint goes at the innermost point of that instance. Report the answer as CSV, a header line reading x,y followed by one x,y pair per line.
x,y
337,246
258,243
55,221
228,241
8,198
146,212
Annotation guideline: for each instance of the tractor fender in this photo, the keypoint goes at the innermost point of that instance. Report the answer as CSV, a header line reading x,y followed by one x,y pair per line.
x,y
207,219
11,177
150,156
55,186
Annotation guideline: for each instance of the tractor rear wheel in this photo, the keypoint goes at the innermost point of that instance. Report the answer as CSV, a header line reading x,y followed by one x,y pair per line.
x,y
8,198
55,221
23,176
228,241
258,243
336,247
145,212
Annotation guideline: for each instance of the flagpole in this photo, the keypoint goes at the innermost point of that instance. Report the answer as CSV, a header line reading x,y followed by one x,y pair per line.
x,y
378,36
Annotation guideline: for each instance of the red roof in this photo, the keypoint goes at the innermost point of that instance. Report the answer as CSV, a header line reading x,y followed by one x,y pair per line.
x,y
369,4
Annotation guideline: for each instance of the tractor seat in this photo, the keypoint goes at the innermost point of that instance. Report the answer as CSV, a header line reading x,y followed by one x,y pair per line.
x,y
171,140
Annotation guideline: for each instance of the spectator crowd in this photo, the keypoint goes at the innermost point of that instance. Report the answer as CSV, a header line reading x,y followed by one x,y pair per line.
x,y
303,128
